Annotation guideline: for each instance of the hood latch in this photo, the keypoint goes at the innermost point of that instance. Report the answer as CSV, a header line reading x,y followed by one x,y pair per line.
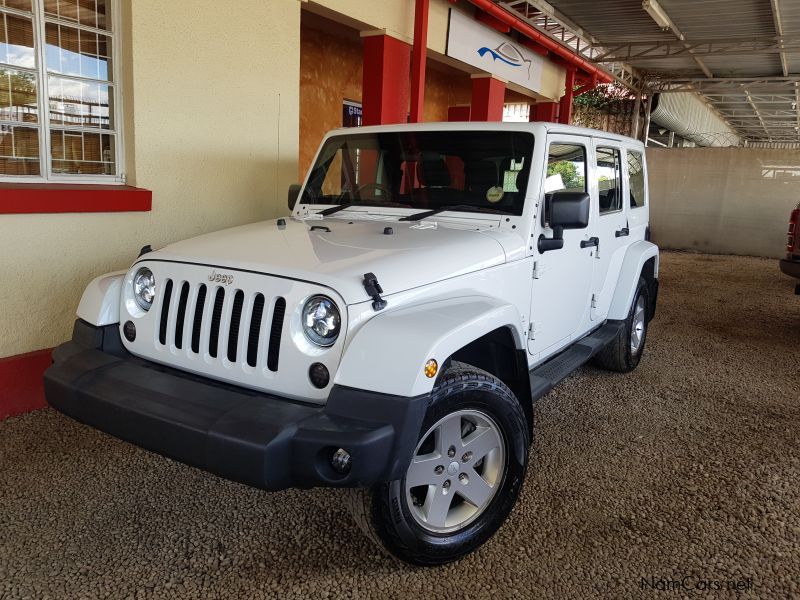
x,y
374,289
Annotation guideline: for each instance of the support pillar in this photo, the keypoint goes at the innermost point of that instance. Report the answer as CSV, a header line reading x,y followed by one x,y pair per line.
x,y
419,56
544,111
385,86
637,105
565,104
647,108
459,112
488,96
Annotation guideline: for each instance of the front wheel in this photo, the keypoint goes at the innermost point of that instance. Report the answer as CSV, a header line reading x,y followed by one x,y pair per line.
x,y
464,477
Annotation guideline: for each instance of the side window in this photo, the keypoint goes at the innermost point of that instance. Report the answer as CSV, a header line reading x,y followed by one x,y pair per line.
x,y
609,179
566,168
636,179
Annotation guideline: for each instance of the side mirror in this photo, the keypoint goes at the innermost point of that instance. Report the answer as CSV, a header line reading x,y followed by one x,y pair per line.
x,y
568,210
563,210
294,193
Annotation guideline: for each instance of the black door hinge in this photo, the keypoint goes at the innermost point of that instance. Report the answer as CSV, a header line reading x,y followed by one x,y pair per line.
x,y
374,289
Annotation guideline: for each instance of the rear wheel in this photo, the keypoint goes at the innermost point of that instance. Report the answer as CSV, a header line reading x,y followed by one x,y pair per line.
x,y
625,351
464,477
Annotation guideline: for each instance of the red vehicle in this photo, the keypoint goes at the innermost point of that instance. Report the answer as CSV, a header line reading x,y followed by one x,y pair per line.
x,y
791,264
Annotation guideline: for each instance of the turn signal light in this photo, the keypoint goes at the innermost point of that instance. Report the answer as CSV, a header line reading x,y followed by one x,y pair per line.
x,y
431,368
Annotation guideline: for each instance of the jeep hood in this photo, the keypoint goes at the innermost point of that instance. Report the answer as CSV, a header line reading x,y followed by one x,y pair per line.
x,y
414,254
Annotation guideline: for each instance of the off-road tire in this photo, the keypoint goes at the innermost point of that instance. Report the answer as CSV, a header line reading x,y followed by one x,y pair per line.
x,y
617,355
382,511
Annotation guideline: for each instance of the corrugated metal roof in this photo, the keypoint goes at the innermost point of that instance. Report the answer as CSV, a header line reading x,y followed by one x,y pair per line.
x,y
766,111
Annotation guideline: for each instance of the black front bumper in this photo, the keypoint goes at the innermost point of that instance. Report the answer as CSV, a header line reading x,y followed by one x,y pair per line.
x,y
251,437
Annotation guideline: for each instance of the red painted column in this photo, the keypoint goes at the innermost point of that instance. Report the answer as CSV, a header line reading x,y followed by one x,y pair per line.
x,y
565,104
544,111
458,113
488,95
419,56
385,86
21,384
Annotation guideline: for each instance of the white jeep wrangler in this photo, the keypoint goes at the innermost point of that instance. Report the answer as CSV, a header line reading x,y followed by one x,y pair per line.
x,y
392,334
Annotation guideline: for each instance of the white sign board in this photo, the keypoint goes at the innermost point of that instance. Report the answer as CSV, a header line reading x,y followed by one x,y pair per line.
x,y
475,44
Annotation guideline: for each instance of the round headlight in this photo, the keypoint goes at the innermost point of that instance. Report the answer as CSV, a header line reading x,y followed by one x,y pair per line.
x,y
321,320
144,288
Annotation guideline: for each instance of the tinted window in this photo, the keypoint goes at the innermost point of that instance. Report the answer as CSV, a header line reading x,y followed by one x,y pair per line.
x,y
609,179
566,168
424,169
636,179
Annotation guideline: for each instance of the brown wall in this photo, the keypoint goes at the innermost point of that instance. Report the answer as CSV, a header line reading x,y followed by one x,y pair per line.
x,y
446,86
444,89
330,72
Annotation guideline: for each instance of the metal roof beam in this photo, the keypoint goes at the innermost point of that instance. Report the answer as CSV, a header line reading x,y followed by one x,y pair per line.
x,y
755,110
797,105
655,50
720,98
776,17
660,16
552,23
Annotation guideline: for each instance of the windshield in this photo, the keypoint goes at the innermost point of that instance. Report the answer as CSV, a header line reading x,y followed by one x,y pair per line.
x,y
472,171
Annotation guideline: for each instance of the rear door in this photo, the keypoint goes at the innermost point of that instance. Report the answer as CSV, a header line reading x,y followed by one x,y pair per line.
x,y
611,224
563,278
637,205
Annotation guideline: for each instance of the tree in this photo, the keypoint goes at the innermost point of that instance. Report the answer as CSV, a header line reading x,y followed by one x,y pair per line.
x,y
569,174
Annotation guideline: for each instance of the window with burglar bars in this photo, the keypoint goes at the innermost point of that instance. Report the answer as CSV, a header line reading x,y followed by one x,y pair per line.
x,y
58,91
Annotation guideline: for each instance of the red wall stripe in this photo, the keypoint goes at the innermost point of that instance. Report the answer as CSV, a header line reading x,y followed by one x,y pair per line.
x,y
28,198
21,385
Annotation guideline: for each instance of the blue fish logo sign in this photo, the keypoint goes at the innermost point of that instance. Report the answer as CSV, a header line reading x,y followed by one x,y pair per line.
x,y
508,54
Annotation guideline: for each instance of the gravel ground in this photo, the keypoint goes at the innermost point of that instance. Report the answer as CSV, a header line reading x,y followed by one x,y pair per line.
x,y
690,466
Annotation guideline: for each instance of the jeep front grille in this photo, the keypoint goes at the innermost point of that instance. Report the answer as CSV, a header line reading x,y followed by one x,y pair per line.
x,y
240,327
222,336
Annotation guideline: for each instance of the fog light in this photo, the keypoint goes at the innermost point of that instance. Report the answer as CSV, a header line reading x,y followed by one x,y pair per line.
x,y
319,376
129,329
341,461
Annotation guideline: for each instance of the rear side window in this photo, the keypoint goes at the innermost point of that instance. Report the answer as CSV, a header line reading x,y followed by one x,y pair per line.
x,y
609,179
636,179
566,168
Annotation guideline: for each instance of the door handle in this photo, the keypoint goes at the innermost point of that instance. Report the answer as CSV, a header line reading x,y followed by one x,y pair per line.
x,y
592,241
622,232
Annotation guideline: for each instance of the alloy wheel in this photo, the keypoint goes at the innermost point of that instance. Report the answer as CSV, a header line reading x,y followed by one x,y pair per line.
x,y
457,468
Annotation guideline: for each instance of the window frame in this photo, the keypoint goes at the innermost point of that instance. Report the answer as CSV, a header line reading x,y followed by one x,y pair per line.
x,y
46,175
621,179
577,144
646,199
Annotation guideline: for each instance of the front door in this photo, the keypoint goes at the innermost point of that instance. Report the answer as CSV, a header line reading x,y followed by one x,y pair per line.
x,y
563,278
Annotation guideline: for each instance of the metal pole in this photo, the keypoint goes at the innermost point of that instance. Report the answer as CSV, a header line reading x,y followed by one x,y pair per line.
x,y
671,141
647,109
635,116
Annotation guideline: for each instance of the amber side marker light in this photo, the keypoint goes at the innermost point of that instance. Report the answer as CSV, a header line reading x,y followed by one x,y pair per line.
x,y
431,368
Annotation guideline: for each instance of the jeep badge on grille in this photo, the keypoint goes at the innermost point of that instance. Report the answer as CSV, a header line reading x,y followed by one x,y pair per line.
x,y
220,278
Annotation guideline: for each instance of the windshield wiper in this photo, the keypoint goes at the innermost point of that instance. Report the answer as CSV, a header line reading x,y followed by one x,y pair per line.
x,y
334,209
462,207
